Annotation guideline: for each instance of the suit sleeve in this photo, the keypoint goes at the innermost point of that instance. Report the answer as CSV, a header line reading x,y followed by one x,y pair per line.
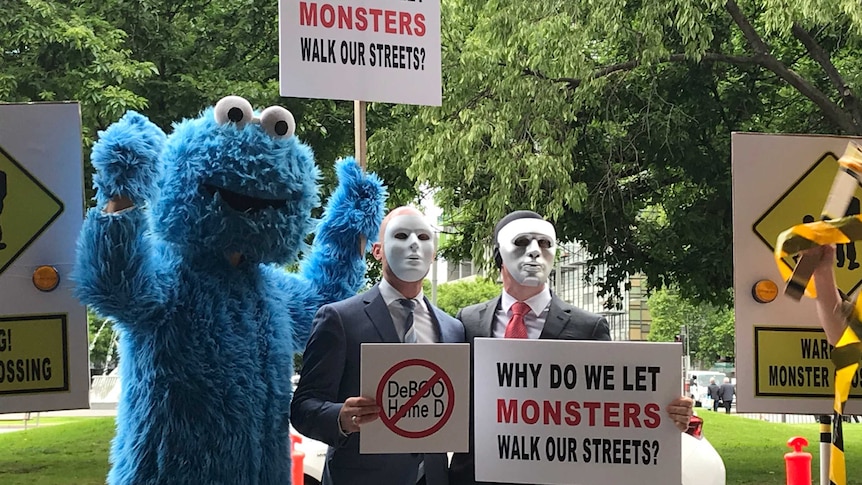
x,y
315,407
460,326
601,330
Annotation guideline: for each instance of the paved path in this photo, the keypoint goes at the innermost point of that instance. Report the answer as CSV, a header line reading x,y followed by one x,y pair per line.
x,y
15,421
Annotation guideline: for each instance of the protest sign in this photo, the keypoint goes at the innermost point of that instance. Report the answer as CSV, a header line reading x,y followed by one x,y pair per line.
x,y
44,363
423,391
783,358
380,50
574,412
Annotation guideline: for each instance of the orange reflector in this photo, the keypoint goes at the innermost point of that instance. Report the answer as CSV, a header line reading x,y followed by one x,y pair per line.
x,y
764,291
46,278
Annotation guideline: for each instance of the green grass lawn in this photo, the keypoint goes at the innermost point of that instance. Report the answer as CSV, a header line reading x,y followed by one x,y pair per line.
x,y
74,451
753,451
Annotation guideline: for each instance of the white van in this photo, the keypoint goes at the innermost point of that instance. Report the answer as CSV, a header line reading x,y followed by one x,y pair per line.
x,y
697,382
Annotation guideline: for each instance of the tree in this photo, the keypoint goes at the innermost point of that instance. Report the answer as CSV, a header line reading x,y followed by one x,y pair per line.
x,y
101,338
613,119
206,49
455,295
710,328
51,50
169,60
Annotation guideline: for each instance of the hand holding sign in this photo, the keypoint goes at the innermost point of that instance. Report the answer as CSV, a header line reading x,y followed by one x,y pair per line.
x,y
680,411
357,411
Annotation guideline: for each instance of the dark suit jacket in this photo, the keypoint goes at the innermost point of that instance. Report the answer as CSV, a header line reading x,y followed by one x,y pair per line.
x,y
330,375
713,391
564,322
726,392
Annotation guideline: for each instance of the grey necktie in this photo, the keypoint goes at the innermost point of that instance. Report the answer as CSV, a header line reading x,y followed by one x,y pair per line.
x,y
409,332
410,338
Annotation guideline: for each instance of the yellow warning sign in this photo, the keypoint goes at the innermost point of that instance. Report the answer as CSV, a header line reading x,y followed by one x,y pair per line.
x,y
27,208
803,202
795,362
33,354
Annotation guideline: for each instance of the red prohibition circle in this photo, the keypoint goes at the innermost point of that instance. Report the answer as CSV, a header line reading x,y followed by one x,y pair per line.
x,y
439,374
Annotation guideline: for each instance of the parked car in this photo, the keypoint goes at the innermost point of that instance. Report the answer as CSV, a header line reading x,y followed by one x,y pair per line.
x,y
697,383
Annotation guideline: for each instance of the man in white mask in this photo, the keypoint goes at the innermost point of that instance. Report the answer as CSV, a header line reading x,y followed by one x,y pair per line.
x,y
326,404
524,251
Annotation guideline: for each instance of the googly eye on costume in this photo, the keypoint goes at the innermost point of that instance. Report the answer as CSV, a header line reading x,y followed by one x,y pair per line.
x,y
233,109
278,122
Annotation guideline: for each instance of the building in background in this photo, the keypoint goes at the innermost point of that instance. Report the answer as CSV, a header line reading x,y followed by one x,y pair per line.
x,y
629,319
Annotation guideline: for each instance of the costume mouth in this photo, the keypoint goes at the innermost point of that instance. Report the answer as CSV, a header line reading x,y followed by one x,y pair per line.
x,y
244,203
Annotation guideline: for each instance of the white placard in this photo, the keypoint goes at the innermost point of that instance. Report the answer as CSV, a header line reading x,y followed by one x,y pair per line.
x,y
44,361
423,391
576,413
782,358
367,50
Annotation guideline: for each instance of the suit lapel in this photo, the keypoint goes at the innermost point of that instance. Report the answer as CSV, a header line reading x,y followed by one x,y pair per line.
x,y
487,318
379,315
557,320
435,320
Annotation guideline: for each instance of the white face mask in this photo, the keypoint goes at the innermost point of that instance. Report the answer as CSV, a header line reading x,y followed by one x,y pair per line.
x,y
408,244
527,247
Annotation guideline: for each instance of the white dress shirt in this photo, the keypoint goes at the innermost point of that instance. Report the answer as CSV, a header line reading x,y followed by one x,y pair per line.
x,y
423,325
534,319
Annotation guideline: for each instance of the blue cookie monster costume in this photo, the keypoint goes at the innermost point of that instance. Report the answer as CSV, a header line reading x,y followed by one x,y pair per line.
x,y
192,275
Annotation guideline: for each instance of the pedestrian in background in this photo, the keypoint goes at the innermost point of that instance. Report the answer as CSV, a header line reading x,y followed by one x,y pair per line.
x,y
726,392
714,393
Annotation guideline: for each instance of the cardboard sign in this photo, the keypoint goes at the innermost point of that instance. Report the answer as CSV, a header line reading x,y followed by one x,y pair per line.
x,y
44,362
576,412
780,181
423,391
383,50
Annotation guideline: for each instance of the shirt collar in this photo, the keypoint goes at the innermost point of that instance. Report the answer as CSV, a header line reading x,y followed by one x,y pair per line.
x,y
537,302
391,295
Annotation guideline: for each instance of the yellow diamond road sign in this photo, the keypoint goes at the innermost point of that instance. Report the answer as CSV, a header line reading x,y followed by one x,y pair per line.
x,y
803,202
27,208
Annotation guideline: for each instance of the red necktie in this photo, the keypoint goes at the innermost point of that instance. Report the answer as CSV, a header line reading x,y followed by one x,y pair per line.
x,y
516,327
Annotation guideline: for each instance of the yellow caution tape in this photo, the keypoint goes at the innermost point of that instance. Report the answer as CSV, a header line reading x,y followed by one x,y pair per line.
x,y
847,354
806,236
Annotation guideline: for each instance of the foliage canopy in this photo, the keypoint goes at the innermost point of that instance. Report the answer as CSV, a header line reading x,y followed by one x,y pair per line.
x,y
710,329
613,119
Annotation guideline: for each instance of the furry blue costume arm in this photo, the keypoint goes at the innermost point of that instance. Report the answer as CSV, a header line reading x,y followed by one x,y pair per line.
x,y
335,269
117,265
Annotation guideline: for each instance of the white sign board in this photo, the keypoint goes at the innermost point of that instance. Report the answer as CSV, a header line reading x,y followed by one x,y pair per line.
x,y
367,50
576,413
423,391
782,358
44,362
